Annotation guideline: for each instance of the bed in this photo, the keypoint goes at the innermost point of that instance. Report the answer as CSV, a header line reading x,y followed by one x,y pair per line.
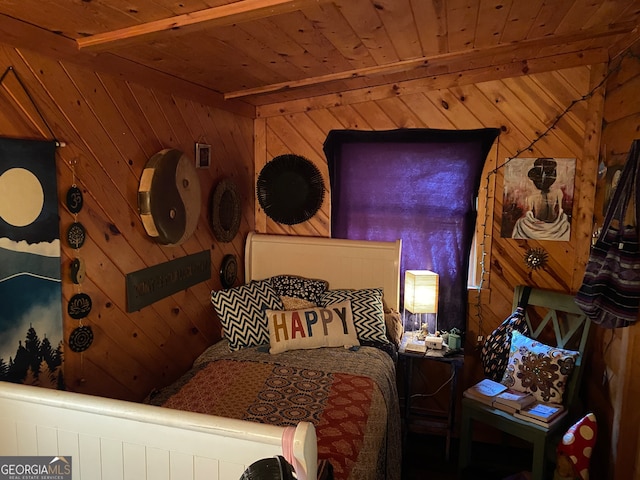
x,y
240,402
348,393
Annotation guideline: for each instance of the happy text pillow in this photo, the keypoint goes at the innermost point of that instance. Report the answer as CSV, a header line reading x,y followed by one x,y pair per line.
x,y
308,328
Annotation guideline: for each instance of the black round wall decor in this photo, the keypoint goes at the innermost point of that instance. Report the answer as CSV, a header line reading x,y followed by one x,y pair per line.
x,y
228,271
74,199
76,235
79,306
225,210
290,189
81,338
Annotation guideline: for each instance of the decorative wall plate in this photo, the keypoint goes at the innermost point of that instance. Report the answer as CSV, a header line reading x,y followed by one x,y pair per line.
x,y
228,271
290,189
536,258
81,338
79,306
76,235
77,271
74,199
225,210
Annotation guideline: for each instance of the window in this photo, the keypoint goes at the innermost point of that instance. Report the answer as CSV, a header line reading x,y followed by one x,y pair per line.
x,y
419,185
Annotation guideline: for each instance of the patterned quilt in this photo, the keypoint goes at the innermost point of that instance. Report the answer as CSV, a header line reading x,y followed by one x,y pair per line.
x,y
350,397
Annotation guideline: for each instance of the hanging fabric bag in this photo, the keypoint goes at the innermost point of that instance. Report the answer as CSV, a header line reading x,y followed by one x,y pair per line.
x,y
610,290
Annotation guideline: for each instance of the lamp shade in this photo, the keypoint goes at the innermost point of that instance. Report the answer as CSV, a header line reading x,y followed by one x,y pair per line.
x,y
421,291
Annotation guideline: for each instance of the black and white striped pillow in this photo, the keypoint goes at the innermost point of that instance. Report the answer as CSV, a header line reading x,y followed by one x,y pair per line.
x,y
367,308
241,311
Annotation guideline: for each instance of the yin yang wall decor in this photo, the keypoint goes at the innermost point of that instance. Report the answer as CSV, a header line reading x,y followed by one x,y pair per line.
x,y
169,197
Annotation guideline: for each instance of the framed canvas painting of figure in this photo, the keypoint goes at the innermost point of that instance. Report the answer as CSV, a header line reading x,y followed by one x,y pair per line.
x,y
538,198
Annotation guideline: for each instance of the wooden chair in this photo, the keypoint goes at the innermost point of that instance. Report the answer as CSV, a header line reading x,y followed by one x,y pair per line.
x,y
554,319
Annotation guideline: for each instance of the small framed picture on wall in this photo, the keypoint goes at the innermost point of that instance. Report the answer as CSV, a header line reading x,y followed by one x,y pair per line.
x,y
203,155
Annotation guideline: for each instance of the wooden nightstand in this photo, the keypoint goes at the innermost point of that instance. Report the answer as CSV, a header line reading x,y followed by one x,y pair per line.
x,y
444,420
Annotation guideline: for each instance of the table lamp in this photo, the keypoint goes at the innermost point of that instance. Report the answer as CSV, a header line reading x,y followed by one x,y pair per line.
x,y
421,295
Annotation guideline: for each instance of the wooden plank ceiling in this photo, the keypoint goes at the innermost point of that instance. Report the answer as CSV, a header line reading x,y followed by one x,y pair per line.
x,y
262,52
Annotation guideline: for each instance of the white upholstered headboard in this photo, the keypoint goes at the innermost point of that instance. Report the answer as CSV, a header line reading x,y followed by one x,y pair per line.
x,y
343,263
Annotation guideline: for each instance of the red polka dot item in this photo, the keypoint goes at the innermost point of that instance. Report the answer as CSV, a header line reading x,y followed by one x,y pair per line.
x,y
577,445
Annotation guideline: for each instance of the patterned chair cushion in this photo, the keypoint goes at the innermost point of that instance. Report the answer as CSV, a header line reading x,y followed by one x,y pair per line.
x,y
538,369
241,311
311,328
299,287
367,307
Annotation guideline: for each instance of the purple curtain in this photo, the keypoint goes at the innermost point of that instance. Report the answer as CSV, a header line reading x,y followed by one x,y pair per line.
x,y
419,185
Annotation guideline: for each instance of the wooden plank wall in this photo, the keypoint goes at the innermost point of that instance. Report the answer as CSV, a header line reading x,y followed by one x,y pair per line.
x,y
112,128
522,107
617,362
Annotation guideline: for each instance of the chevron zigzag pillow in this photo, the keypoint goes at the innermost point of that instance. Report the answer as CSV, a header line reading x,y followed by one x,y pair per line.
x,y
367,308
241,311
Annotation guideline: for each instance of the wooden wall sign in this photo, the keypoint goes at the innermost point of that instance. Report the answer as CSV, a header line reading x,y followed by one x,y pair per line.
x,y
149,285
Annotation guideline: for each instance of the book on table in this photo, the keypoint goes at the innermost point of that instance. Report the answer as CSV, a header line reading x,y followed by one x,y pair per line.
x,y
504,408
514,398
539,422
545,412
484,391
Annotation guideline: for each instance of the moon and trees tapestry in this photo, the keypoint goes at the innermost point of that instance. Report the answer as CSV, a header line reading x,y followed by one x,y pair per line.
x,y
30,274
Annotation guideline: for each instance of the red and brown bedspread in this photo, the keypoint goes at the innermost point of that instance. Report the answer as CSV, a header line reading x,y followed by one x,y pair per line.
x,y
350,397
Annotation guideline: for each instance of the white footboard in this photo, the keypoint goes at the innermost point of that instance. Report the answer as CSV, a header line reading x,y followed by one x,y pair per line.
x,y
114,439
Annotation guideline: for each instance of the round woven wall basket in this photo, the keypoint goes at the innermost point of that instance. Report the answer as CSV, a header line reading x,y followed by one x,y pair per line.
x,y
290,189
225,211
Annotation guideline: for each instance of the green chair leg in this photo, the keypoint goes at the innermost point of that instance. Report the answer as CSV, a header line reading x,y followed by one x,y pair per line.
x,y
464,455
539,460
